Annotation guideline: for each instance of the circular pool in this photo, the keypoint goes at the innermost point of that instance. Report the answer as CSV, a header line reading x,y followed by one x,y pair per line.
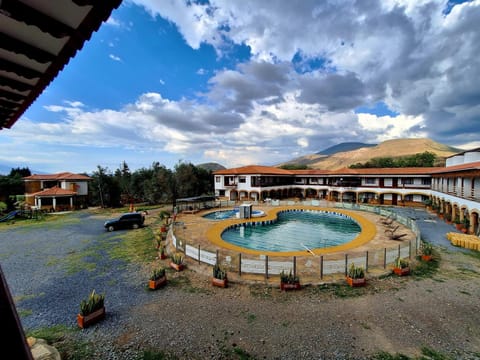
x,y
294,231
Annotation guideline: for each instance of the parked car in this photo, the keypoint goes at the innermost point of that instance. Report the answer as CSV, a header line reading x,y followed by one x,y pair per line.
x,y
132,220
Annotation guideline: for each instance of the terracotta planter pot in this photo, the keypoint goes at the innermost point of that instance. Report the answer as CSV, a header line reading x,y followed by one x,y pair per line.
x,y
459,226
464,230
426,257
87,320
356,282
401,271
290,286
178,267
223,283
155,284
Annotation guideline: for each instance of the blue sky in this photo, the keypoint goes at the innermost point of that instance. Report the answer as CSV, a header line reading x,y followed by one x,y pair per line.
x,y
249,82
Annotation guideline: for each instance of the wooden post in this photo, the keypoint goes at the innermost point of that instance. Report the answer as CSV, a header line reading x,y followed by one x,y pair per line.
x,y
398,250
294,266
266,266
216,257
410,249
346,264
240,264
198,253
385,258
321,267
366,262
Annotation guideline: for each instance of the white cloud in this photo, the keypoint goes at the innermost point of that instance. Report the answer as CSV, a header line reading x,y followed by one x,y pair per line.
x,y
114,57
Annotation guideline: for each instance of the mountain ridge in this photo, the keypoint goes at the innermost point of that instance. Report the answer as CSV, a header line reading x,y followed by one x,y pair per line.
x,y
389,148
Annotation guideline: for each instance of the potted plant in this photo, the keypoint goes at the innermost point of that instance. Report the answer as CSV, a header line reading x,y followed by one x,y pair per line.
x,y
448,218
401,267
356,276
458,223
157,279
219,277
289,281
428,204
466,225
427,251
92,310
177,262
164,215
162,252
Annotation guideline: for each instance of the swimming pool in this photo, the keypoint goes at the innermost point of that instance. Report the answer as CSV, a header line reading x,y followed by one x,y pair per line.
x,y
229,214
295,231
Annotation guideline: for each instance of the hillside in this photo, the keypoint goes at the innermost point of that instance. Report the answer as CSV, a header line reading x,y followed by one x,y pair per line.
x,y
211,166
389,148
346,146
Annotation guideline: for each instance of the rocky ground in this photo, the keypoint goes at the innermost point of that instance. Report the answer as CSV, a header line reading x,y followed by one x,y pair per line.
x,y
433,310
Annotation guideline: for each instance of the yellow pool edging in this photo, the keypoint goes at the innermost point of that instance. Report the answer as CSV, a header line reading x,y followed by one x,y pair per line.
x,y
367,233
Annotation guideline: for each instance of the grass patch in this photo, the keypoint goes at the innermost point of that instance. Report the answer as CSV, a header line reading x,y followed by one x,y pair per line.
x,y
133,246
425,269
427,354
61,337
261,291
338,290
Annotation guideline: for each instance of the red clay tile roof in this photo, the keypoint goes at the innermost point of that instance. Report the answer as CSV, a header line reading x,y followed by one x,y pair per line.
x,y
54,191
59,176
254,169
461,167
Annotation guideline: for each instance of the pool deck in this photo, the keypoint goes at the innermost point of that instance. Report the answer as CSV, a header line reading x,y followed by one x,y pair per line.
x,y
199,231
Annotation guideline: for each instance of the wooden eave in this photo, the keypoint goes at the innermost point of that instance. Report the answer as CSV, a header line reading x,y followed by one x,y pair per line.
x,y
37,39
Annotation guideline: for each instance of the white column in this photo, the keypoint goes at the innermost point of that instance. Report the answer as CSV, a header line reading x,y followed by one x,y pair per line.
x,y
71,202
54,203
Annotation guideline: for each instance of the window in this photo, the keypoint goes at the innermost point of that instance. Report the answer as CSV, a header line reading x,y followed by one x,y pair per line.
x,y
218,179
370,181
426,181
408,181
242,179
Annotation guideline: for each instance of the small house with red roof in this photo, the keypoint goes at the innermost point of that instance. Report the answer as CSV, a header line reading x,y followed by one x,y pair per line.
x,y
56,192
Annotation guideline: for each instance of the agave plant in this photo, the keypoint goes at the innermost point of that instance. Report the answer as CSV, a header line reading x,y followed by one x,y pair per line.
x,y
177,258
401,263
157,274
219,273
288,278
92,303
356,272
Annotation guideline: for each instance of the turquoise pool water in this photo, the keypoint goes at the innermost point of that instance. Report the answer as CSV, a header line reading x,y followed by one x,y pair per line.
x,y
228,214
295,231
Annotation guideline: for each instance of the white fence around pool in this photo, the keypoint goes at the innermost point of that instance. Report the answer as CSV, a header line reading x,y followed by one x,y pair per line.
x,y
312,265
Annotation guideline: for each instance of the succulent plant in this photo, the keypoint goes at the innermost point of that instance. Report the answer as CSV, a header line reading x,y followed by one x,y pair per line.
x,y
401,263
288,278
356,272
219,273
157,274
92,303
177,258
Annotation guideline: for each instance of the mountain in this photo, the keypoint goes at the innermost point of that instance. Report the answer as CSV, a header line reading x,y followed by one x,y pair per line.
x,y
211,166
389,148
346,146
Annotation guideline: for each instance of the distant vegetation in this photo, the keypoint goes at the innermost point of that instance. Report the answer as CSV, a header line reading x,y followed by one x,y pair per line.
x,y
12,185
154,185
425,159
294,167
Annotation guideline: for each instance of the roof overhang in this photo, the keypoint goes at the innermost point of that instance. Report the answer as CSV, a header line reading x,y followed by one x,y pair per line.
x,y
37,39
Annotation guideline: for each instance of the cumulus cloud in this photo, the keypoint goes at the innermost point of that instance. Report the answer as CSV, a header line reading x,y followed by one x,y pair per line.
x,y
419,57
311,65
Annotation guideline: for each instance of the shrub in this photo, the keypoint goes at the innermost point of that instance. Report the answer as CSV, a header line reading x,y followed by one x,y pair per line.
x,y
157,274
288,278
92,303
356,272
219,273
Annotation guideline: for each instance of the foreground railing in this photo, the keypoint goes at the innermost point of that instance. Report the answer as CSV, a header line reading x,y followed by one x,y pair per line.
x,y
308,266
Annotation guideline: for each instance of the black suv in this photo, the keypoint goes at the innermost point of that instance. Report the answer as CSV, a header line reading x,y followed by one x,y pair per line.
x,y
131,220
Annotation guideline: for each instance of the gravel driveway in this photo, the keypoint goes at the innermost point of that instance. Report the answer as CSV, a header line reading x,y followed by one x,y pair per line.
x,y
188,319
